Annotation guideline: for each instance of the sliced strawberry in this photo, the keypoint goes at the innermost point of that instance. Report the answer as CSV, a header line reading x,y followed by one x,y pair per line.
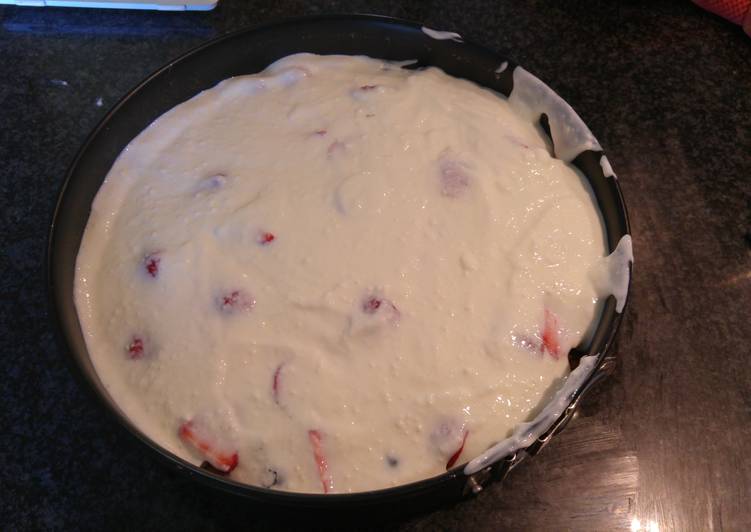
x,y
276,382
454,177
448,437
235,302
551,335
136,348
223,460
316,441
376,315
371,305
374,304
454,457
208,467
264,238
151,264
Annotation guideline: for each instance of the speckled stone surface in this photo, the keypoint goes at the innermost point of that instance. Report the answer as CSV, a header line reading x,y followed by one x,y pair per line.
x,y
665,442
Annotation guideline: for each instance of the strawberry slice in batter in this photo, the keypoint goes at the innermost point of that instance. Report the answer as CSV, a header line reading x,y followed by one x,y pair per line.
x,y
454,457
136,348
215,452
316,441
551,341
379,305
265,238
151,264
455,178
448,438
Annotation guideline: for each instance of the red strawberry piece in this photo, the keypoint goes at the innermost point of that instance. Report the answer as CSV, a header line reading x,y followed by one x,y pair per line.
x,y
316,441
264,238
375,315
136,348
151,264
371,305
376,304
235,302
551,335
208,467
448,437
223,460
454,178
276,382
454,457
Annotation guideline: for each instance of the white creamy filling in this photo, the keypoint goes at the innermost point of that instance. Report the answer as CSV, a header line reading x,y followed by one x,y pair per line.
x,y
441,35
338,275
611,275
607,170
531,98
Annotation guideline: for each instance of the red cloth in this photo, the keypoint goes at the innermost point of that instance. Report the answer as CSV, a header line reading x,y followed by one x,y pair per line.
x,y
735,11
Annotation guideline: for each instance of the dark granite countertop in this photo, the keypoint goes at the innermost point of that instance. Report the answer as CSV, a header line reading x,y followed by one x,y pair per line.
x,y
664,444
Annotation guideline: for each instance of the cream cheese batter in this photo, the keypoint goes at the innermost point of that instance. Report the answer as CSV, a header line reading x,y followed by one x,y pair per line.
x,y
338,275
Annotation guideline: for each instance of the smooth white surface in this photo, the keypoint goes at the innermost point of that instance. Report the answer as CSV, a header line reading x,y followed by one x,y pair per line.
x,y
448,210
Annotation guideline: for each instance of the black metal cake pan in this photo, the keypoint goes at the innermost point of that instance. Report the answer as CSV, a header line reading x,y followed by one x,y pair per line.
x,y
250,51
